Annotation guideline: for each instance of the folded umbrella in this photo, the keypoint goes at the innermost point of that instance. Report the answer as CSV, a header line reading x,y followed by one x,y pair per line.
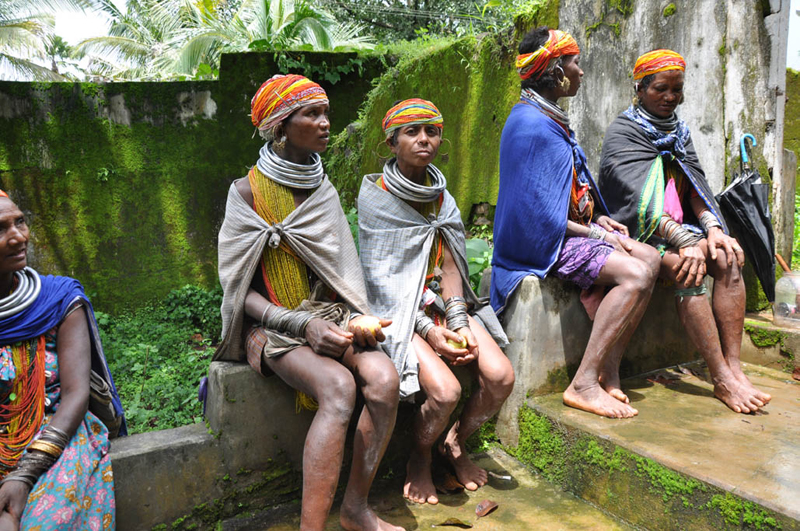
x,y
745,205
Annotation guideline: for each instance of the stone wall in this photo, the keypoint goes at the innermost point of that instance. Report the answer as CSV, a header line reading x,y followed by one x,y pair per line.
x,y
125,183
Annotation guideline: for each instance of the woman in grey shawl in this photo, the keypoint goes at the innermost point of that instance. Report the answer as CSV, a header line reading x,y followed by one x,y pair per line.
x,y
291,278
414,259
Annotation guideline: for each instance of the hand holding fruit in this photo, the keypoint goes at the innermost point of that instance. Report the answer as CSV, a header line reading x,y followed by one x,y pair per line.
x,y
470,344
368,329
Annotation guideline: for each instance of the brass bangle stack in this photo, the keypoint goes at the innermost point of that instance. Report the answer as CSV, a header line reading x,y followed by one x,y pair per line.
x,y
455,313
39,457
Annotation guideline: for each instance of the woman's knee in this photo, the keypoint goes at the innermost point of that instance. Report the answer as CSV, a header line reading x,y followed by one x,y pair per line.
x,y
381,383
444,394
499,378
338,393
641,275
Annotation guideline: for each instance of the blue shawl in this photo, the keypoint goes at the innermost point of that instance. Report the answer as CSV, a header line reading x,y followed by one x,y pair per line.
x,y
56,297
536,160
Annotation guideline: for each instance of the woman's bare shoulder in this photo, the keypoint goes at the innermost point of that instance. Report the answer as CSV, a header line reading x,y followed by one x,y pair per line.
x,y
243,187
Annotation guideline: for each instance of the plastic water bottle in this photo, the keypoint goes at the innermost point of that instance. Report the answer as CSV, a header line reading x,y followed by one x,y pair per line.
x,y
786,308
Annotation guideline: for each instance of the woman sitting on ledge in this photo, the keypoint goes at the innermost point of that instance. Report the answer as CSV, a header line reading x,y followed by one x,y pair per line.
x,y
414,257
285,253
551,219
652,181
54,462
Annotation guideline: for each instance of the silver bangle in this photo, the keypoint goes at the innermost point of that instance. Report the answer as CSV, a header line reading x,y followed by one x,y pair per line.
x,y
708,220
455,313
293,322
423,324
597,233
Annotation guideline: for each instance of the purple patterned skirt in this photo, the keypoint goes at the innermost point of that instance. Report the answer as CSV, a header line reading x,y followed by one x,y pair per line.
x,y
581,260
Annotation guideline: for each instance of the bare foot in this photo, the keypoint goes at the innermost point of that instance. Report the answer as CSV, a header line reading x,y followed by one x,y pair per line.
x,y
736,396
595,400
419,485
736,369
468,473
361,517
609,381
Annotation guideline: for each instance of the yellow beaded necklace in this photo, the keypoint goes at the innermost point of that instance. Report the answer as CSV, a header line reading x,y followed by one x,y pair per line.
x,y
285,275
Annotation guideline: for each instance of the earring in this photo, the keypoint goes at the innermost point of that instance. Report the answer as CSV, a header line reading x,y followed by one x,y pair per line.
x,y
564,84
635,100
446,156
280,144
378,155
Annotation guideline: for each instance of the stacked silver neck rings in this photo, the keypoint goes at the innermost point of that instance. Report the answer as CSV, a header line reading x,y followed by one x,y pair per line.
x,y
665,125
29,285
548,107
399,185
305,176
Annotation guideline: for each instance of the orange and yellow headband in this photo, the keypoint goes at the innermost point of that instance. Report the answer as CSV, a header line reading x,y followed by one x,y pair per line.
x,y
280,96
657,61
559,43
411,112
3,194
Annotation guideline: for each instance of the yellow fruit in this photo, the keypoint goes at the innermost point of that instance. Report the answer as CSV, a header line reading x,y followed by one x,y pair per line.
x,y
368,322
456,344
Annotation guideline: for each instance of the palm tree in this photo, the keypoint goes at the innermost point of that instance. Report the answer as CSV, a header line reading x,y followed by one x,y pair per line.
x,y
24,27
170,38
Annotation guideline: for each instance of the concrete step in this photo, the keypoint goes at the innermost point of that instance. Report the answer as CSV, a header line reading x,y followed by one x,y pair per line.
x,y
770,345
525,501
686,461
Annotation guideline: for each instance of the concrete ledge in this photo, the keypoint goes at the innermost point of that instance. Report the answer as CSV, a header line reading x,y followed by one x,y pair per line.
x,y
159,475
255,416
548,330
764,343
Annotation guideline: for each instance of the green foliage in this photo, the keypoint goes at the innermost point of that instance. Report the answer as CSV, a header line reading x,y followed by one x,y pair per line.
x,y
737,512
479,257
541,445
159,353
669,10
352,219
484,438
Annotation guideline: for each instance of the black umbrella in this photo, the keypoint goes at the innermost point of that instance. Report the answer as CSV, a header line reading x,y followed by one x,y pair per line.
x,y
745,205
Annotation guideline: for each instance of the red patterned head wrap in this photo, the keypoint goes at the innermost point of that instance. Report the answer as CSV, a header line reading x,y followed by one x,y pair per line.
x,y
280,96
411,112
537,62
3,194
657,61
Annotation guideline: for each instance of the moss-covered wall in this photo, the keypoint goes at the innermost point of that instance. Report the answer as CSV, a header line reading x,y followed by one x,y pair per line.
x,y
125,183
791,128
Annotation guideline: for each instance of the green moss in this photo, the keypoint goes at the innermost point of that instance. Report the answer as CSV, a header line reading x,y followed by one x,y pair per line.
x,y
540,445
612,13
664,480
737,512
669,10
535,13
764,337
791,131
594,454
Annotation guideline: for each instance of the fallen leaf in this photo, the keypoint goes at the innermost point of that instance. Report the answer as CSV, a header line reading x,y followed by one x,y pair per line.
x,y
449,484
796,373
455,522
485,507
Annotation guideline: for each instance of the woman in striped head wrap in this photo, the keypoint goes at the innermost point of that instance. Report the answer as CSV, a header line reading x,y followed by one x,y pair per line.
x,y
292,292
652,180
551,220
413,253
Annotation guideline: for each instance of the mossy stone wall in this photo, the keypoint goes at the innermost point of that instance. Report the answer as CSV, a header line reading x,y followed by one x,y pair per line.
x,y
791,128
125,183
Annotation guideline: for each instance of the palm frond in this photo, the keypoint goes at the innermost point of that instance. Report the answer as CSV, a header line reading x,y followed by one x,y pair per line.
x,y
19,69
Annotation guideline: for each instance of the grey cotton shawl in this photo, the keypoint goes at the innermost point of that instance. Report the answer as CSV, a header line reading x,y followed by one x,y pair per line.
x,y
395,242
317,231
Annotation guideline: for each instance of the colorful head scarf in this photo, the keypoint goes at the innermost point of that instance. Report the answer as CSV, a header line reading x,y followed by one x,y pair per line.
x,y
280,96
3,194
411,112
537,62
657,61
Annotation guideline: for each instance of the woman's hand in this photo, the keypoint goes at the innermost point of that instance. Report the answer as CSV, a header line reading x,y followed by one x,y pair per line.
x,y
610,225
472,347
13,496
622,245
327,339
691,268
437,338
719,240
368,330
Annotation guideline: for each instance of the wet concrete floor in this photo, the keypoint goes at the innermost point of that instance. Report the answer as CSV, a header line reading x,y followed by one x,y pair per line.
x,y
525,502
682,426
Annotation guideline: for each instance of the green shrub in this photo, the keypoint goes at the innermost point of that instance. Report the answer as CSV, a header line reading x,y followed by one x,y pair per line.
x,y
158,354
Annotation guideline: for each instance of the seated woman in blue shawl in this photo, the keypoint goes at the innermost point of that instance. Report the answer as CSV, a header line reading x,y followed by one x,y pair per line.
x,y
551,219
54,462
652,181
